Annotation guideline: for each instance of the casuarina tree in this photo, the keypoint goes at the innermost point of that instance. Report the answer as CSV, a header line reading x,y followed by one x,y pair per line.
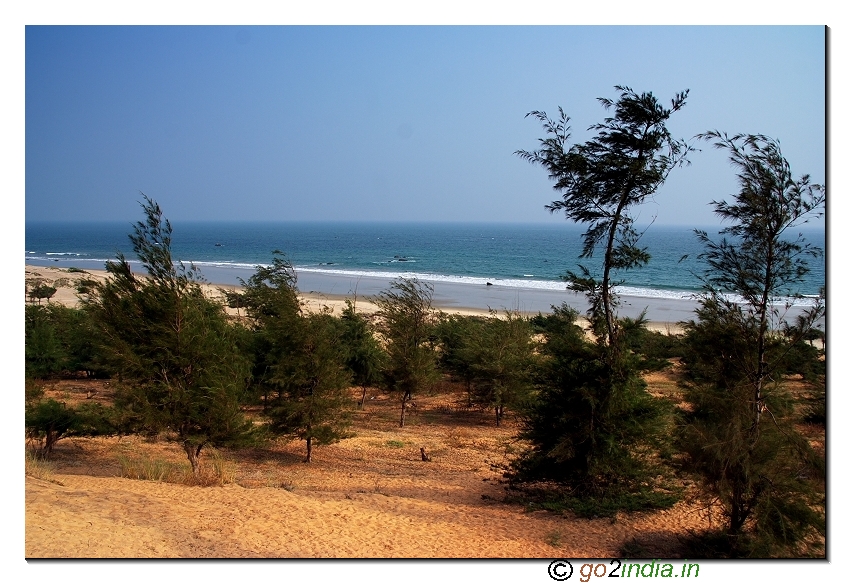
x,y
594,424
407,324
299,360
173,348
603,179
740,433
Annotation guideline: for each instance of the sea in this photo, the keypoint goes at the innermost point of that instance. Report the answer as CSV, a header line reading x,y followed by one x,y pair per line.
x,y
522,261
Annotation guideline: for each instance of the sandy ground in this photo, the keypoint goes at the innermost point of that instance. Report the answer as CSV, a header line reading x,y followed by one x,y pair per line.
x,y
369,496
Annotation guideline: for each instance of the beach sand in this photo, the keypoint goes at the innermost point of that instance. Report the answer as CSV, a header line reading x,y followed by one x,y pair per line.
x,y
480,301
369,496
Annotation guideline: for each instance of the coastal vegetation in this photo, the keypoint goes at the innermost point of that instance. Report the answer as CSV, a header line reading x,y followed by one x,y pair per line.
x,y
740,434
592,431
594,428
175,355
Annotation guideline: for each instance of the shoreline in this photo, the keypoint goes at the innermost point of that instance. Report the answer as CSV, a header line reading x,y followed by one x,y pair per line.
x,y
317,290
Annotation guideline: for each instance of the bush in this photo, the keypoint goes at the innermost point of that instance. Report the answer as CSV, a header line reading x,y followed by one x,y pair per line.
x,y
593,428
60,339
48,421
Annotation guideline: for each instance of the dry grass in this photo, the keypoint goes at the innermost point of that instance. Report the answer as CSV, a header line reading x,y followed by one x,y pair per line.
x,y
39,468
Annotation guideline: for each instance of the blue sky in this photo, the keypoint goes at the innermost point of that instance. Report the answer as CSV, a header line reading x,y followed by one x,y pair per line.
x,y
412,123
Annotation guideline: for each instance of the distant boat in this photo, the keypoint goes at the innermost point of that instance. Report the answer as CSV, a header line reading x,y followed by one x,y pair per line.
x,y
219,245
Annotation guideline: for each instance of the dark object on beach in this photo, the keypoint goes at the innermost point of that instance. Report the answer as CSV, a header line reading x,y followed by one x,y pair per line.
x,y
425,456
488,283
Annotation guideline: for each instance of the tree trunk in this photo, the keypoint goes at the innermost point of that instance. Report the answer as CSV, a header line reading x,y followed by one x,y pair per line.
x,y
362,399
309,450
404,401
50,439
194,455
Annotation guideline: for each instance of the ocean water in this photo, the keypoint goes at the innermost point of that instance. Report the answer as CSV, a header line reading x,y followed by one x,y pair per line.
x,y
520,256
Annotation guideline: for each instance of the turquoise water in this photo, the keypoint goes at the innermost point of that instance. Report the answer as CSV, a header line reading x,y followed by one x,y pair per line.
x,y
508,255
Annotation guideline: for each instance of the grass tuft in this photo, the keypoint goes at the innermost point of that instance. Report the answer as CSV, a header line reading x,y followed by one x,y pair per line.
x,y
38,467
216,470
147,468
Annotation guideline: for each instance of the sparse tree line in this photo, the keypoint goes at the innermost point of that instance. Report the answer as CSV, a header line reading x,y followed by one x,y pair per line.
x,y
594,439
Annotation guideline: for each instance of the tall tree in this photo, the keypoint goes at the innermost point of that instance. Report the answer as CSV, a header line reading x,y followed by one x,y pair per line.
x,y
740,433
270,298
594,426
365,357
407,325
173,348
601,180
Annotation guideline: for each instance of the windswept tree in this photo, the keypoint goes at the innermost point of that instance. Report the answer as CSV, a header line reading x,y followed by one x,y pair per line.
x,y
740,434
173,348
407,324
603,179
594,423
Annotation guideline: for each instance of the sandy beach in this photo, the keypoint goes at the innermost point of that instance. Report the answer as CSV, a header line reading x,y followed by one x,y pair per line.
x,y
319,290
369,496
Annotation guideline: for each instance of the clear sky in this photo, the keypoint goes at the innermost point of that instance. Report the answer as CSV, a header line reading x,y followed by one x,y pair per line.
x,y
413,123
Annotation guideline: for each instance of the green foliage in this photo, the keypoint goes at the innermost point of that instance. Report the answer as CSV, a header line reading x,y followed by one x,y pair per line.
x,y
739,434
33,391
41,291
365,357
603,178
407,324
496,356
593,427
654,349
60,339
299,362
48,421
174,349
648,496
86,286
764,474
270,297
43,351
313,401
454,333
